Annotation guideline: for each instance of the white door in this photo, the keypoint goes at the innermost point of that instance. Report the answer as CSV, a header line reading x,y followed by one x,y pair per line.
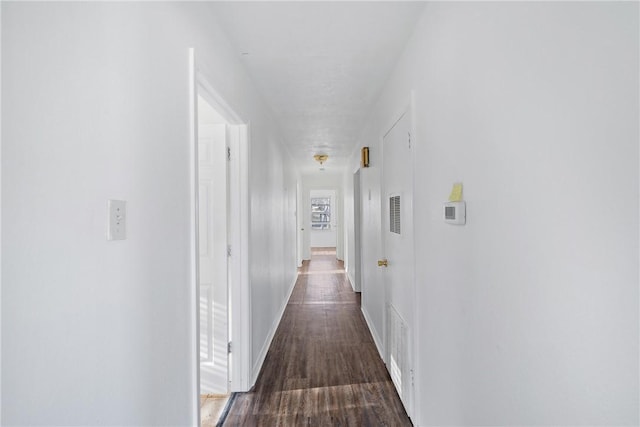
x,y
397,241
213,202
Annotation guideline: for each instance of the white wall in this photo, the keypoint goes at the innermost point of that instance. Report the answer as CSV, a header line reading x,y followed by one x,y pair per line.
x,y
272,246
528,314
95,99
371,286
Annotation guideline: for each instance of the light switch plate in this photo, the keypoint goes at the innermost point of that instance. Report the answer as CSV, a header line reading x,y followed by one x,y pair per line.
x,y
117,226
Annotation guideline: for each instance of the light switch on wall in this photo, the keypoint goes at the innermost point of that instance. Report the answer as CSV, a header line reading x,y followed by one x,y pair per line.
x,y
117,212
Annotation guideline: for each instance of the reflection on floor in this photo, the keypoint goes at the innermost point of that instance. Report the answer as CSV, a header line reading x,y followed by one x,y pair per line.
x,y
211,407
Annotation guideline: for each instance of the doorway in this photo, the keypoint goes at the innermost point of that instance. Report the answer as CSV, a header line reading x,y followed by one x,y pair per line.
x,y
323,218
213,238
357,242
299,225
220,331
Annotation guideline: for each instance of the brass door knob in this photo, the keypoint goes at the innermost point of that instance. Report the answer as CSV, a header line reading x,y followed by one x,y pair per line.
x,y
382,263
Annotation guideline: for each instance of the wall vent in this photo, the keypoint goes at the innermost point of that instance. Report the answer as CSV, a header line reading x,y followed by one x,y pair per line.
x,y
398,350
394,214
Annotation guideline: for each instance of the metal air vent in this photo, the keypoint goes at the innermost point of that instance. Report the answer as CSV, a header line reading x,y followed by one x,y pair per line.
x,y
394,214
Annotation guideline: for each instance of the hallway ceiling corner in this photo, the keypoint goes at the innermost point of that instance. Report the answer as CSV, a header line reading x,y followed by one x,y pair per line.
x,y
319,66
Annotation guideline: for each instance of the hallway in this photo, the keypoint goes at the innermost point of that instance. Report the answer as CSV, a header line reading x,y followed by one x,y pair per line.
x,y
517,204
322,368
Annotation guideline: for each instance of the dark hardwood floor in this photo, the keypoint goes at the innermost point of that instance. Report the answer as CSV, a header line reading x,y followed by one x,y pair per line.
x,y
322,368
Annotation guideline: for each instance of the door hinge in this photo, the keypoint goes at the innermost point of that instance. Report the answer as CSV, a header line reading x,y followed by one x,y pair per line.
x,y
229,347
228,250
409,133
228,153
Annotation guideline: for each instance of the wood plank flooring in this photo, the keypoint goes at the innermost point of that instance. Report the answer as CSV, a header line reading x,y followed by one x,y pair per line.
x,y
322,368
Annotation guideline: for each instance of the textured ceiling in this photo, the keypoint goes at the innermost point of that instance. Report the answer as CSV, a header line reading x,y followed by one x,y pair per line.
x,y
319,65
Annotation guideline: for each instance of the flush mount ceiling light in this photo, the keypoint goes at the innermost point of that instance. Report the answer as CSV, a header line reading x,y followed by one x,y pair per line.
x,y
321,158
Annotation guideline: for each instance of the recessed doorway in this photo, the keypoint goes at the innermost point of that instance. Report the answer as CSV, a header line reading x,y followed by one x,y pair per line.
x,y
213,237
219,203
323,218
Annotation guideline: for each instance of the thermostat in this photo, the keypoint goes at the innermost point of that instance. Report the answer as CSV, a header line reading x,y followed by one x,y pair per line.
x,y
455,213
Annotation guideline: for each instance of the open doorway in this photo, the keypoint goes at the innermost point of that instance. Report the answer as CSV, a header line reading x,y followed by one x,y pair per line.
x,y
220,331
213,238
357,207
323,219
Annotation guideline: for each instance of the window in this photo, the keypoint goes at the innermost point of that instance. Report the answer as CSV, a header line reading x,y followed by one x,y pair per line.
x,y
321,213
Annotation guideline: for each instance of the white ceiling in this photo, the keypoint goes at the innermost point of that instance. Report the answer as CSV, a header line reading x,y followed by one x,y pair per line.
x,y
319,65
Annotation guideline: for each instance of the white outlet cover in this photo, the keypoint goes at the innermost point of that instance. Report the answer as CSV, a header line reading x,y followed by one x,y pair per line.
x,y
117,224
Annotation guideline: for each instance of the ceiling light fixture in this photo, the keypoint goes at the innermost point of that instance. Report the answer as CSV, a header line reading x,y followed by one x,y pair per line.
x,y
321,158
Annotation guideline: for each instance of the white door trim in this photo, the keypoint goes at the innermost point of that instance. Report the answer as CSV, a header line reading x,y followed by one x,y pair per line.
x,y
194,288
357,230
299,224
417,415
239,261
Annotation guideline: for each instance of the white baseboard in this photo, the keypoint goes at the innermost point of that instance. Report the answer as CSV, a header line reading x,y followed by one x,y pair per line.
x,y
374,333
272,331
352,282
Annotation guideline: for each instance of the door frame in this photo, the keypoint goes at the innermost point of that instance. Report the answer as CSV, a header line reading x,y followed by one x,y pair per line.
x,y
403,108
299,224
357,230
238,232
213,172
305,222
331,193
